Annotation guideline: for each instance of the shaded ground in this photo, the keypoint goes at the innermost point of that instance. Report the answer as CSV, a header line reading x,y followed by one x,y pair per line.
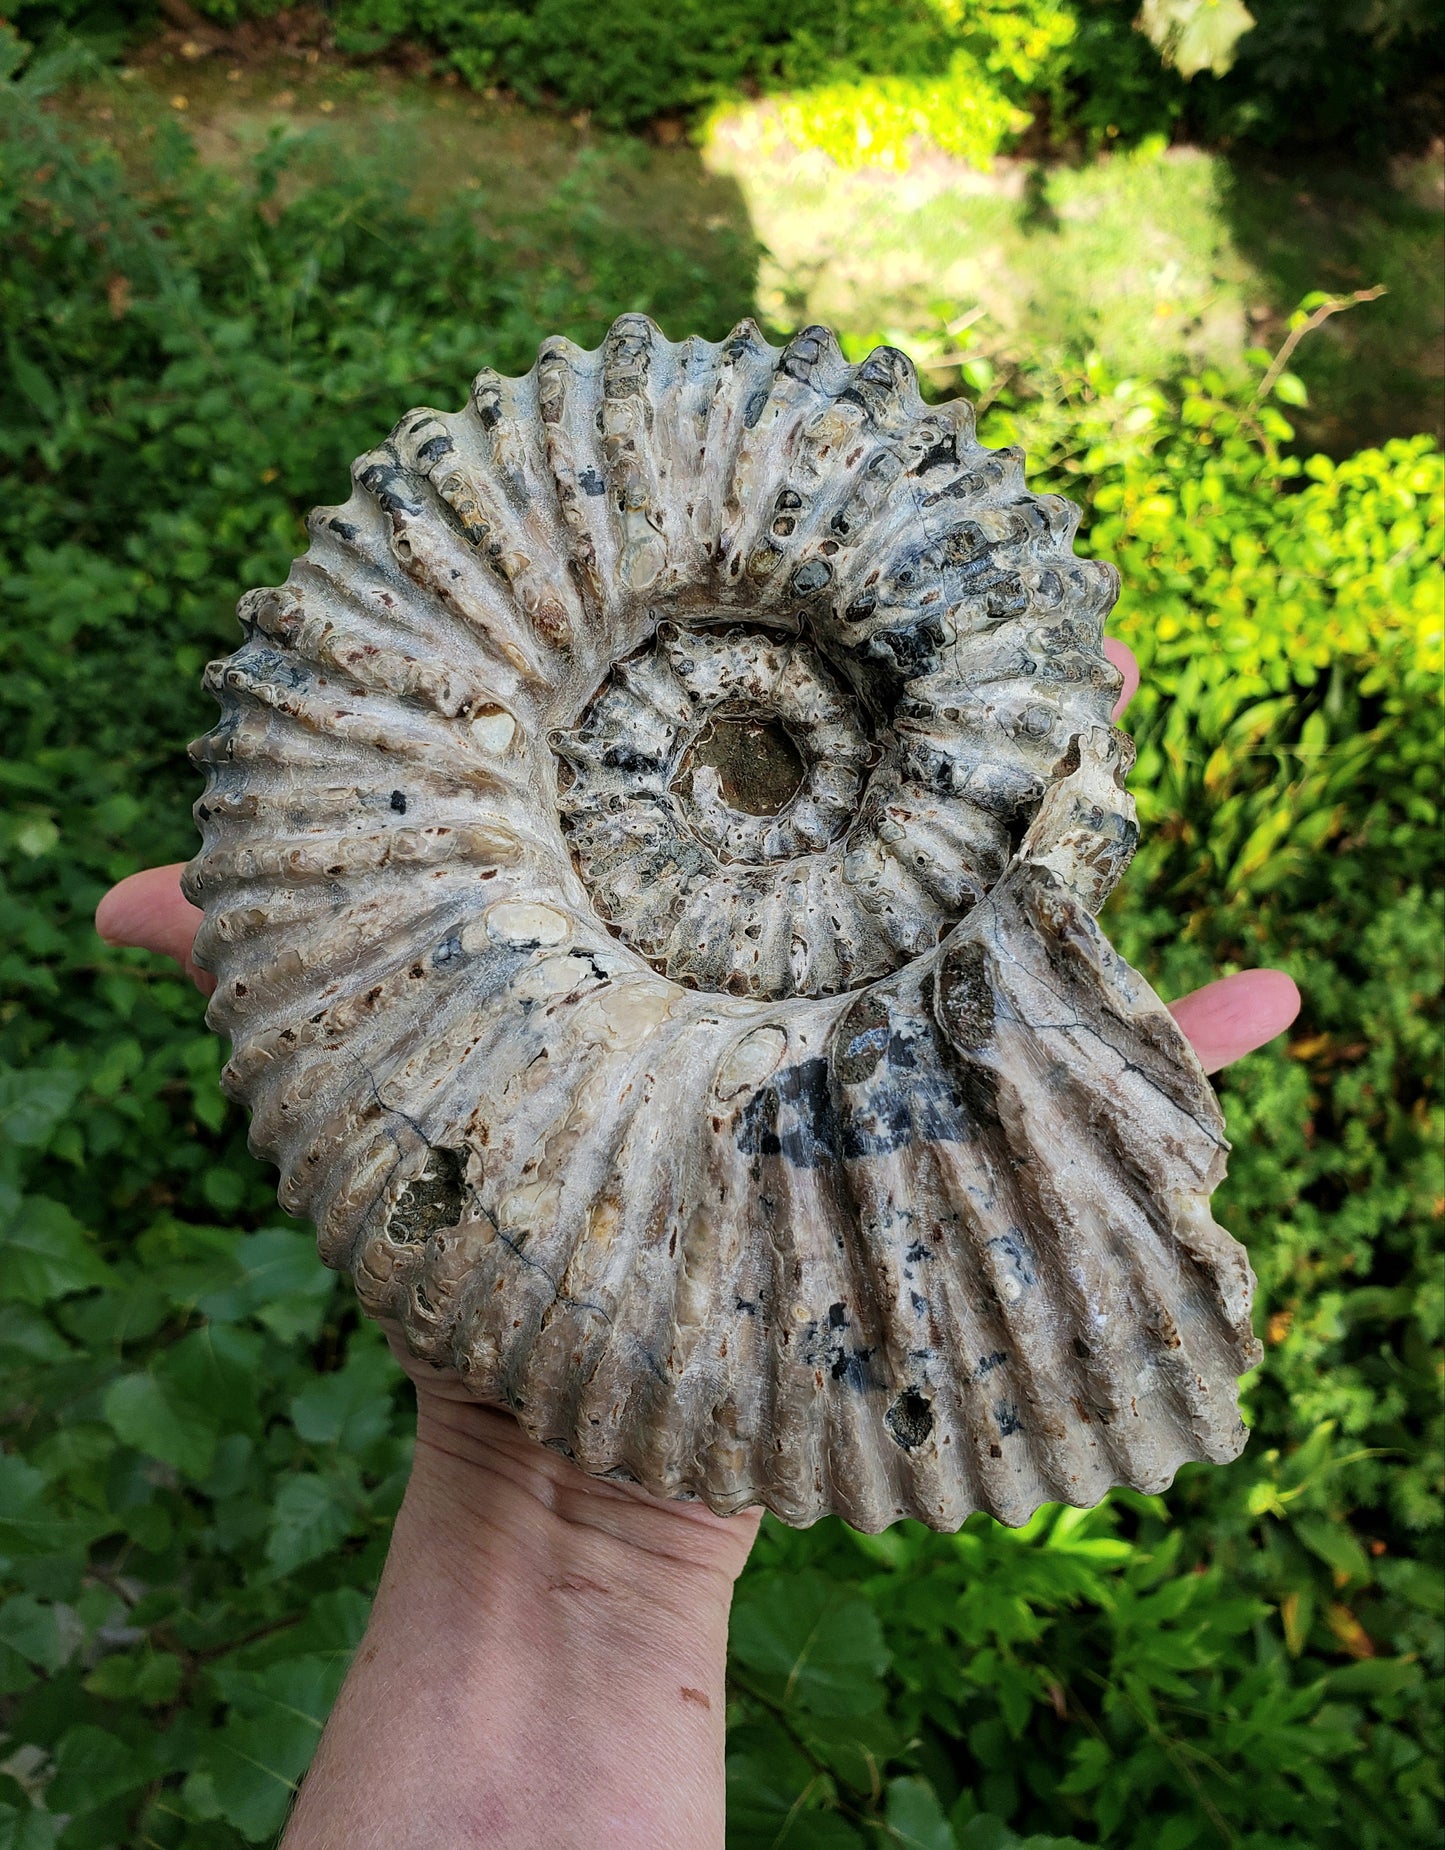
x,y
1155,259
436,142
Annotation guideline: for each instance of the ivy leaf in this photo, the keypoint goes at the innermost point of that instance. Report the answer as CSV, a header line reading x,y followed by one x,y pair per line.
x,y
827,1653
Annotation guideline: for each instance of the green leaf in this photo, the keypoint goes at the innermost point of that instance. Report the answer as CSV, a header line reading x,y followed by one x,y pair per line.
x,y
1417,1583
1376,1676
281,1283
983,1832
1196,35
175,1410
310,1516
256,1762
142,1677
148,1412
27,1829
36,1632
36,837
29,1336
93,1767
828,1652
351,1408
1335,1546
854,1748
915,1818
776,1801
33,382
34,1102
45,1253
1291,388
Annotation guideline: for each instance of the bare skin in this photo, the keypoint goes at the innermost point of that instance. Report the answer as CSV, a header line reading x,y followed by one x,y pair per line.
x,y
544,1665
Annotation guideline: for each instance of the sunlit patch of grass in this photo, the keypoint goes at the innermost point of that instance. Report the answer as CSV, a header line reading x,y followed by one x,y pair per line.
x,y
1156,259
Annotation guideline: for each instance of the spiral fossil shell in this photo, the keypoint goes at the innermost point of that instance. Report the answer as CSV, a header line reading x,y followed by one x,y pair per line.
x,y
651,851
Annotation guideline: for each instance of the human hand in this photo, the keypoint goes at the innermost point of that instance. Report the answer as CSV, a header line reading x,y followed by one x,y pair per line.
x,y
544,1663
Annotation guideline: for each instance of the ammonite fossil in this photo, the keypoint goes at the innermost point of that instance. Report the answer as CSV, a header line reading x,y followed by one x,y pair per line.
x,y
652,847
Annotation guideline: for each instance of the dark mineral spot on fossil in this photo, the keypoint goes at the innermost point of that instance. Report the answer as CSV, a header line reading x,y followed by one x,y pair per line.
x,y
966,997
909,1419
758,765
434,1200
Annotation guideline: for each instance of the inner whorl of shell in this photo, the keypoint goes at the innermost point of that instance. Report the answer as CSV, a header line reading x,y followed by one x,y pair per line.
x,y
651,851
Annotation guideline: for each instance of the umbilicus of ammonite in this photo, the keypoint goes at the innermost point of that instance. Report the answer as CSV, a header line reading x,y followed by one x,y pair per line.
x,y
652,845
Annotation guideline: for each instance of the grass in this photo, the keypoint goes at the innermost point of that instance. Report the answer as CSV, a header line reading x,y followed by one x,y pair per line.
x,y
435,142
1154,258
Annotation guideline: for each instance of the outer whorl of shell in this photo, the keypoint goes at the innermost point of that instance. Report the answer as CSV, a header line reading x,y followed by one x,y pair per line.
x,y
651,855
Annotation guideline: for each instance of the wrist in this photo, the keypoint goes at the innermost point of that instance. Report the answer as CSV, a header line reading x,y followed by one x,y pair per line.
x,y
552,1645
500,1509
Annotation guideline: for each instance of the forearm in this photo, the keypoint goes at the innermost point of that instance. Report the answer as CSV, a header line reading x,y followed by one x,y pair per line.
x,y
544,1665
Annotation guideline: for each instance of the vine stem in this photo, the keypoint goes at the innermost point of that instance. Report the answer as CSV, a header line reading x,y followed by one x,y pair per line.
x,y
1322,314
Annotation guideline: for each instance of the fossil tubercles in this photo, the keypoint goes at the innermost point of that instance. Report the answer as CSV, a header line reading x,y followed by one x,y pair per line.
x,y
651,854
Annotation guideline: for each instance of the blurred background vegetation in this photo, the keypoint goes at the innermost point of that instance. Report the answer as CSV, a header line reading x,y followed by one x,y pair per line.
x,y
235,245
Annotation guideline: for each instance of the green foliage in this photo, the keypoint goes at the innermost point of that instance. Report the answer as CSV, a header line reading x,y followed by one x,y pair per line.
x,y
205,1447
862,79
1307,73
860,76
1240,1662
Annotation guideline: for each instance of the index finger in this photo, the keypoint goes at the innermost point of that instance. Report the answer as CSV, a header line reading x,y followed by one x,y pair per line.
x,y
1123,658
149,911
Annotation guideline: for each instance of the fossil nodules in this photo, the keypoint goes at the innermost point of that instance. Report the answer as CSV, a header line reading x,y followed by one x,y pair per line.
x,y
651,851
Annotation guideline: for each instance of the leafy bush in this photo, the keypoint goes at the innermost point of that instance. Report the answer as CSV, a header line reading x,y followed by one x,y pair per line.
x,y
205,1446
860,77
900,77
863,78
1325,74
